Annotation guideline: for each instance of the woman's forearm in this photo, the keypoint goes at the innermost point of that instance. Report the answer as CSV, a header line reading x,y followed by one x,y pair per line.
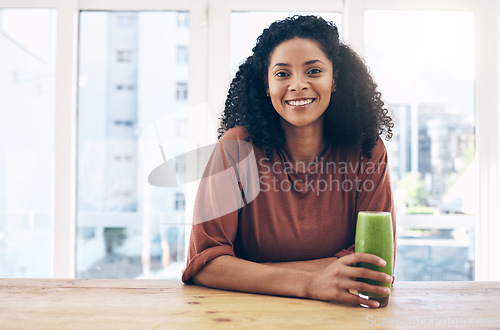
x,y
333,282
307,265
230,273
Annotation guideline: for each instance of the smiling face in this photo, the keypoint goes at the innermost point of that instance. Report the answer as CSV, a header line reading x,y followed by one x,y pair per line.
x,y
300,82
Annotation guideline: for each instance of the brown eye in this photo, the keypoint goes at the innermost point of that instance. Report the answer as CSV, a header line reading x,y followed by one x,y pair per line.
x,y
314,71
281,74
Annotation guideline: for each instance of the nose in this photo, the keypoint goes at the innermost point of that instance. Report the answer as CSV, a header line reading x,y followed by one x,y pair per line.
x,y
298,83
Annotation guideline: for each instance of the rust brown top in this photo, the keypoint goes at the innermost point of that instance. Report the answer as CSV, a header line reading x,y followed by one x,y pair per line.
x,y
271,211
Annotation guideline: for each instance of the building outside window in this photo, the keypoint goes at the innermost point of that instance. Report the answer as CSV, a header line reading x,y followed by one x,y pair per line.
x,y
182,54
124,55
182,20
182,91
180,202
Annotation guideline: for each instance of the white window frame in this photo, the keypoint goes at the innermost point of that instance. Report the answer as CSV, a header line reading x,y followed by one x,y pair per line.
x,y
209,24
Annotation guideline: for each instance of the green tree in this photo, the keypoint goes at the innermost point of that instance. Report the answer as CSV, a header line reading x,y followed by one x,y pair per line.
x,y
415,196
114,237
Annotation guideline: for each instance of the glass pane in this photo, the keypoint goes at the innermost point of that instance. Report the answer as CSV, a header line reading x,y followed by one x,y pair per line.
x,y
424,64
27,77
133,90
247,26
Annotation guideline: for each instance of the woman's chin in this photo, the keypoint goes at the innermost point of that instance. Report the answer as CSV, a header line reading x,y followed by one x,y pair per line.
x,y
302,123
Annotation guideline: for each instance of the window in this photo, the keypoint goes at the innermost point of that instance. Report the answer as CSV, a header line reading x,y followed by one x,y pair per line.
x,y
180,203
125,20
27,80
182,20
426,73
182,91
122,87
124,55
182,54
121,218
124,122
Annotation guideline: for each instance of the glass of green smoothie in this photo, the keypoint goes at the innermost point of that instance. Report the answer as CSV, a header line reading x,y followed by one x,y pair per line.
x,y
374,235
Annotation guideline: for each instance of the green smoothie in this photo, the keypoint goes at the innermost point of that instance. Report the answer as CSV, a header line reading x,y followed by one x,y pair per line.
x,y
374,235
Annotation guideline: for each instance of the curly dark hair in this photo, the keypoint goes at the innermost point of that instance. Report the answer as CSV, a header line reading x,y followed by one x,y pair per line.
x,y
355,115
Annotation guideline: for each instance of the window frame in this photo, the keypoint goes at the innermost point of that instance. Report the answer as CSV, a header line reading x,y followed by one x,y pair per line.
x,y
209,22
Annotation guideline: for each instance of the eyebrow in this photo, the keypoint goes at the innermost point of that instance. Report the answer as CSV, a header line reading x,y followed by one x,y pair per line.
x,y
306,63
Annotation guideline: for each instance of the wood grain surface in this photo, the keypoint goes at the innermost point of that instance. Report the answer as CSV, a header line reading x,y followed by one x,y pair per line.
x,y
169,304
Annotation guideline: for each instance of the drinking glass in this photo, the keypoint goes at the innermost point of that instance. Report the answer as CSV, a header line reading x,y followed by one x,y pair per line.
x,y
374,235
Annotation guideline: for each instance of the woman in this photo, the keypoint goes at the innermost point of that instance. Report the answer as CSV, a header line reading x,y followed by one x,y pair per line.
x,y
304,114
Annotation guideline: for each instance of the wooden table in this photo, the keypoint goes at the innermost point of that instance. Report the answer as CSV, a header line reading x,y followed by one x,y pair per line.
x,y
169,304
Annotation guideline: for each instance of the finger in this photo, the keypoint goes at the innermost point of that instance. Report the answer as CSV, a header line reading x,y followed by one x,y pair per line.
x,y
356,300
356,286
356,257
362,272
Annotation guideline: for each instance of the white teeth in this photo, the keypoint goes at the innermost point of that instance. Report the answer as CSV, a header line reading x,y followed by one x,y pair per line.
x,y
300,102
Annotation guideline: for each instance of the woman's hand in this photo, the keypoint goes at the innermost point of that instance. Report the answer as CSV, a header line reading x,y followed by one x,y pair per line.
x,y
334,282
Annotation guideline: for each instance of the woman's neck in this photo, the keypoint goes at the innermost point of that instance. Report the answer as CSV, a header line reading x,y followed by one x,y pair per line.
x,y
304,145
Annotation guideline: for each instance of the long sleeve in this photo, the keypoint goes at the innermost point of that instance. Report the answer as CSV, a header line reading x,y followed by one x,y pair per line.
x,y
215,216
229,181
